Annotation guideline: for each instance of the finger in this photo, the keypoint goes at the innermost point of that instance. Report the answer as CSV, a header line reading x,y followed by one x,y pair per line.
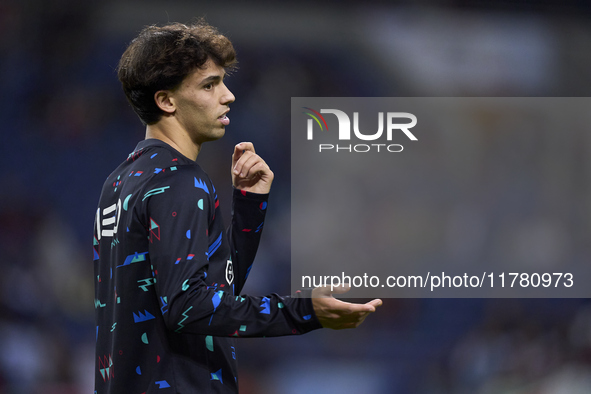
x,y
375,303
362,318
366,308
240,149
239,163
343,308
238,152
243,147
247,146
259,170
363,308
251,165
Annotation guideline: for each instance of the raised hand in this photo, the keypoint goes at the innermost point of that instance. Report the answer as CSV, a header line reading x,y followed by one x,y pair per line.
x,y
249,170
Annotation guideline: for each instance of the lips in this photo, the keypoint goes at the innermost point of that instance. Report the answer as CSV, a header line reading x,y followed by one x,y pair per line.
x,y
224,119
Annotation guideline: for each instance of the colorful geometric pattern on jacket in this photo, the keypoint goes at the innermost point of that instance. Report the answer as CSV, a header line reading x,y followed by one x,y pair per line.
x,y
168,279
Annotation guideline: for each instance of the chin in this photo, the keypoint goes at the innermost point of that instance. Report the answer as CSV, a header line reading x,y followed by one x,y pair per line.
x,y
216,135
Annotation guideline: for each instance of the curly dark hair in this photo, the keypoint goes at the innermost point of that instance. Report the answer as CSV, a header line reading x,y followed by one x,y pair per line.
x,y
161,57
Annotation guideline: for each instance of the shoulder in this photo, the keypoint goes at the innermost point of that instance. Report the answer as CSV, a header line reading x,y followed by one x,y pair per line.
x,y
183,177
161,165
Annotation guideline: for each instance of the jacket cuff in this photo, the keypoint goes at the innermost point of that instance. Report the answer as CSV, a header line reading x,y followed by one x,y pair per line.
x,y
310,321
243,194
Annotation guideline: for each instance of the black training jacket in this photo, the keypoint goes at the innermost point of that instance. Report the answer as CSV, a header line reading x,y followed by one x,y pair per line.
x,y
168,279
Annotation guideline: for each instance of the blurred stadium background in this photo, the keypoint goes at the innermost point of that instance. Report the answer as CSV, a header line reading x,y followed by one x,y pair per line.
x,y
66,125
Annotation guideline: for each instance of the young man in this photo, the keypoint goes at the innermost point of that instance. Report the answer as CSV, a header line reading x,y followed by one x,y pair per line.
x,y
168,278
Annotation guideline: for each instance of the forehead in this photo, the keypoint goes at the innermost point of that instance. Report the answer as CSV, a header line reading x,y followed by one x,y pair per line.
x,y
208,70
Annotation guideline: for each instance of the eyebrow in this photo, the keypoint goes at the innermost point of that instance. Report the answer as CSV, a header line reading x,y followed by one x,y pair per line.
x,y
210,79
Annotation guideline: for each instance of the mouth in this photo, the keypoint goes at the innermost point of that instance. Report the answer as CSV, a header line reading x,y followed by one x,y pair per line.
x,y
224,118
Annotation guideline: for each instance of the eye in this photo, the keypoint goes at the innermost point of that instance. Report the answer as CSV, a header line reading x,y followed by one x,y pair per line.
x,y
209,86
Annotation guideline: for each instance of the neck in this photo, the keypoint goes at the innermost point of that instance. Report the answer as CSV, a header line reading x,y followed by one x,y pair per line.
x,y
175,136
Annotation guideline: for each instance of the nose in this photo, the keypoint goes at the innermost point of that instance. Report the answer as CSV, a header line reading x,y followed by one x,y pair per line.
x,y
227,96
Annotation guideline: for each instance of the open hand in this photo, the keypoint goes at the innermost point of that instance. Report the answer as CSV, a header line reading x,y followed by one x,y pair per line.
x,y
337,314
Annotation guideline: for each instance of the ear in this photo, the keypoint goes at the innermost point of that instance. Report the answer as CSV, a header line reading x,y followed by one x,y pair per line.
x,y
164,102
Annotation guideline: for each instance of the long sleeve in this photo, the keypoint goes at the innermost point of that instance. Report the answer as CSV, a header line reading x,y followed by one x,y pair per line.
x,y
244,233
168,278
195,281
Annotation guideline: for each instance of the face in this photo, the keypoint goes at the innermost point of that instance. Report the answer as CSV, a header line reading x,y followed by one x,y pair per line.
x,y
202,102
